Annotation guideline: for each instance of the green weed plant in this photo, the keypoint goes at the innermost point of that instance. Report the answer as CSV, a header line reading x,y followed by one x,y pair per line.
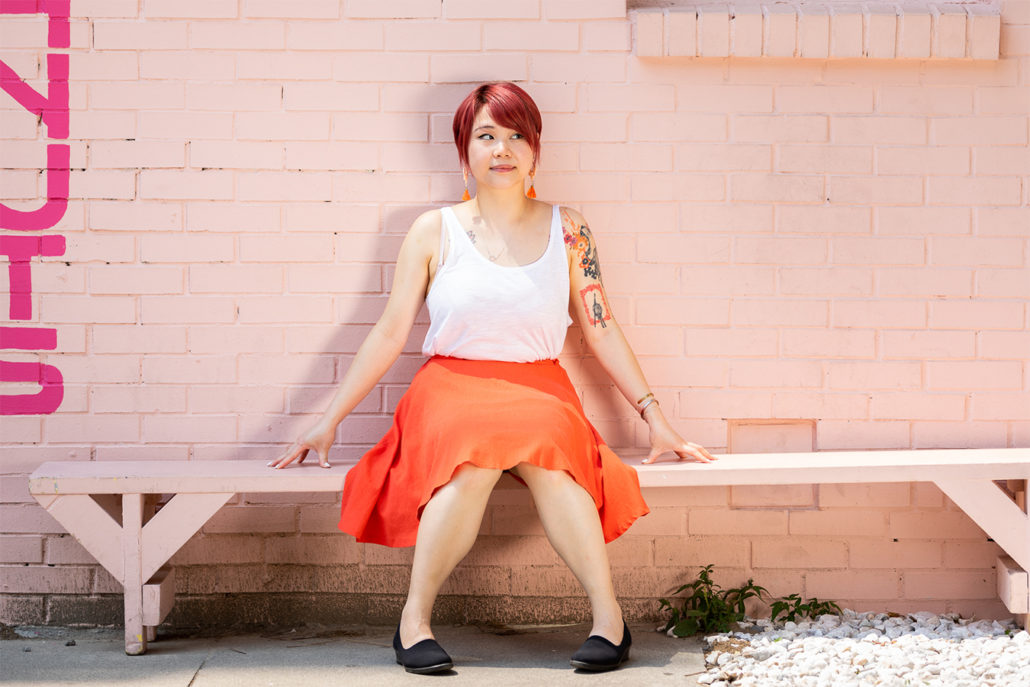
x,y
795,607
707,607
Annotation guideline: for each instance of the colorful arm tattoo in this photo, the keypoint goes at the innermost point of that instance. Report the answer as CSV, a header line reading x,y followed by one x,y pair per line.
x,y
596,305
581,240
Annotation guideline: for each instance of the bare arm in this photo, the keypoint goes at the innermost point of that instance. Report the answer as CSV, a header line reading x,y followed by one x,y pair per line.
x,y
590,309
383,344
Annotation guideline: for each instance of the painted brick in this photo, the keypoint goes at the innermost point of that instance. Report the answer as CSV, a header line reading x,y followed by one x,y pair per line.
x,y
56,309
757,312
722,551
252,519
765,374
725,404
160,429
848,343
829,99
874,375
353,156
369,126
135,338
319,95
929,344
437,36
949,585
1002,160
313,9
991,252
578,68
770,496
825,159
90,428
364,187
859,584
728,281
131,399
45,579
999,406
133,154
649,34
284,309
633,98
819,405
1003,345
666,187
285,186
160,184
729,218
927,282
193,65
824,282
187,370
859,523
245,279
186,309
857,434
723,157
237,35
975,315
446,68
284,66
971,554
966,434
922,220
774,187
879,314
126,279
603,36
134,216
873,190
236,154
21,549
879,129
212,9
189,248
232,96
363,35
703,521
286,126
117,35
865,553
798,552
924,160
232,217
972,191
878,251
239,399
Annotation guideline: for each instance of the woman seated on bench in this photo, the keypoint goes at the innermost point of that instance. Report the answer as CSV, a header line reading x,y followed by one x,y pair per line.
x,y
500,273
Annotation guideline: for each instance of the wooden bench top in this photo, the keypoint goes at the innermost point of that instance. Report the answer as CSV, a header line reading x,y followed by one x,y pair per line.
x,y
822,467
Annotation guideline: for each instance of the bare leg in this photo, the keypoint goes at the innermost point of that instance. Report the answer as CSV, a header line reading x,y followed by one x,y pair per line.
x,y
446,532
572,525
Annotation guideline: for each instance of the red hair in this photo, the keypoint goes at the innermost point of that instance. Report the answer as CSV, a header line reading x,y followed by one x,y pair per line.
x,y
509,105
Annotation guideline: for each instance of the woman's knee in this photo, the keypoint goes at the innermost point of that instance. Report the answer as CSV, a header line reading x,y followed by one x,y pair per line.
x,y
475,477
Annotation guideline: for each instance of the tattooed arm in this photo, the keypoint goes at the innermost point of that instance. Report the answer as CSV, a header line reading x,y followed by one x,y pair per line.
x,y
590,309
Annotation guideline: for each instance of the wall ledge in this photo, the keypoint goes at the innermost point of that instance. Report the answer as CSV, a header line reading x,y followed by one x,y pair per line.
x,y
839,31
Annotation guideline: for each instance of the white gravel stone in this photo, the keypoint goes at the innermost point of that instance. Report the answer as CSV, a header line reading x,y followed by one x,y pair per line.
x,y
860,649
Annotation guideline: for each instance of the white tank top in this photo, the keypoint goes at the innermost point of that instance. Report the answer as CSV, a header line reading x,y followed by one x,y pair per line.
x,y
479,310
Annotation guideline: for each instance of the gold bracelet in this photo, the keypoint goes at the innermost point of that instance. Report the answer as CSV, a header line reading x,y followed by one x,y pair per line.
x,y
643,398
644,407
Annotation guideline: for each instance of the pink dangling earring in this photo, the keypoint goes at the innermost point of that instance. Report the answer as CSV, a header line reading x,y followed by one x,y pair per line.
x,y
531,193
466,196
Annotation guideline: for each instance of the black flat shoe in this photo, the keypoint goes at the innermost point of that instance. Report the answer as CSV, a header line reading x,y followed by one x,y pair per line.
x,y
598,654
423,658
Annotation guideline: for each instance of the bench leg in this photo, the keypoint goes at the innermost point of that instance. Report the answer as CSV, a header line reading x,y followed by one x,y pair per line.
x,y
132,556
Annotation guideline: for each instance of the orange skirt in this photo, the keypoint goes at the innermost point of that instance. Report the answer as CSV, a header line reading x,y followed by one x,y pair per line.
x,y
491,414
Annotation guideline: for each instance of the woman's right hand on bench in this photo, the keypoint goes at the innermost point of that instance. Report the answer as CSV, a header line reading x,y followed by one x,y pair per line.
x,y
318,439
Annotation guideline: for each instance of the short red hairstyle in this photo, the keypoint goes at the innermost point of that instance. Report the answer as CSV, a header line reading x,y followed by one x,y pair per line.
x,y
509,105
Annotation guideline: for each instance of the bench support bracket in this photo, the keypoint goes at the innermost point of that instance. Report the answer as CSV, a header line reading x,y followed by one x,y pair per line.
x,y
1003,521
134,551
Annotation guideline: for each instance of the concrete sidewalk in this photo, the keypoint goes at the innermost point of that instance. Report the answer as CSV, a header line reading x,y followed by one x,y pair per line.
x,y
343,656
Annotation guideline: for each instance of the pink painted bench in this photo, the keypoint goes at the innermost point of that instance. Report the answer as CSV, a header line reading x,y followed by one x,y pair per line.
x,y
109,507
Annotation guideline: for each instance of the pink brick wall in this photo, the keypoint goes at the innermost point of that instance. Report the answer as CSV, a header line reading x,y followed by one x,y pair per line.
x,y
845,243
